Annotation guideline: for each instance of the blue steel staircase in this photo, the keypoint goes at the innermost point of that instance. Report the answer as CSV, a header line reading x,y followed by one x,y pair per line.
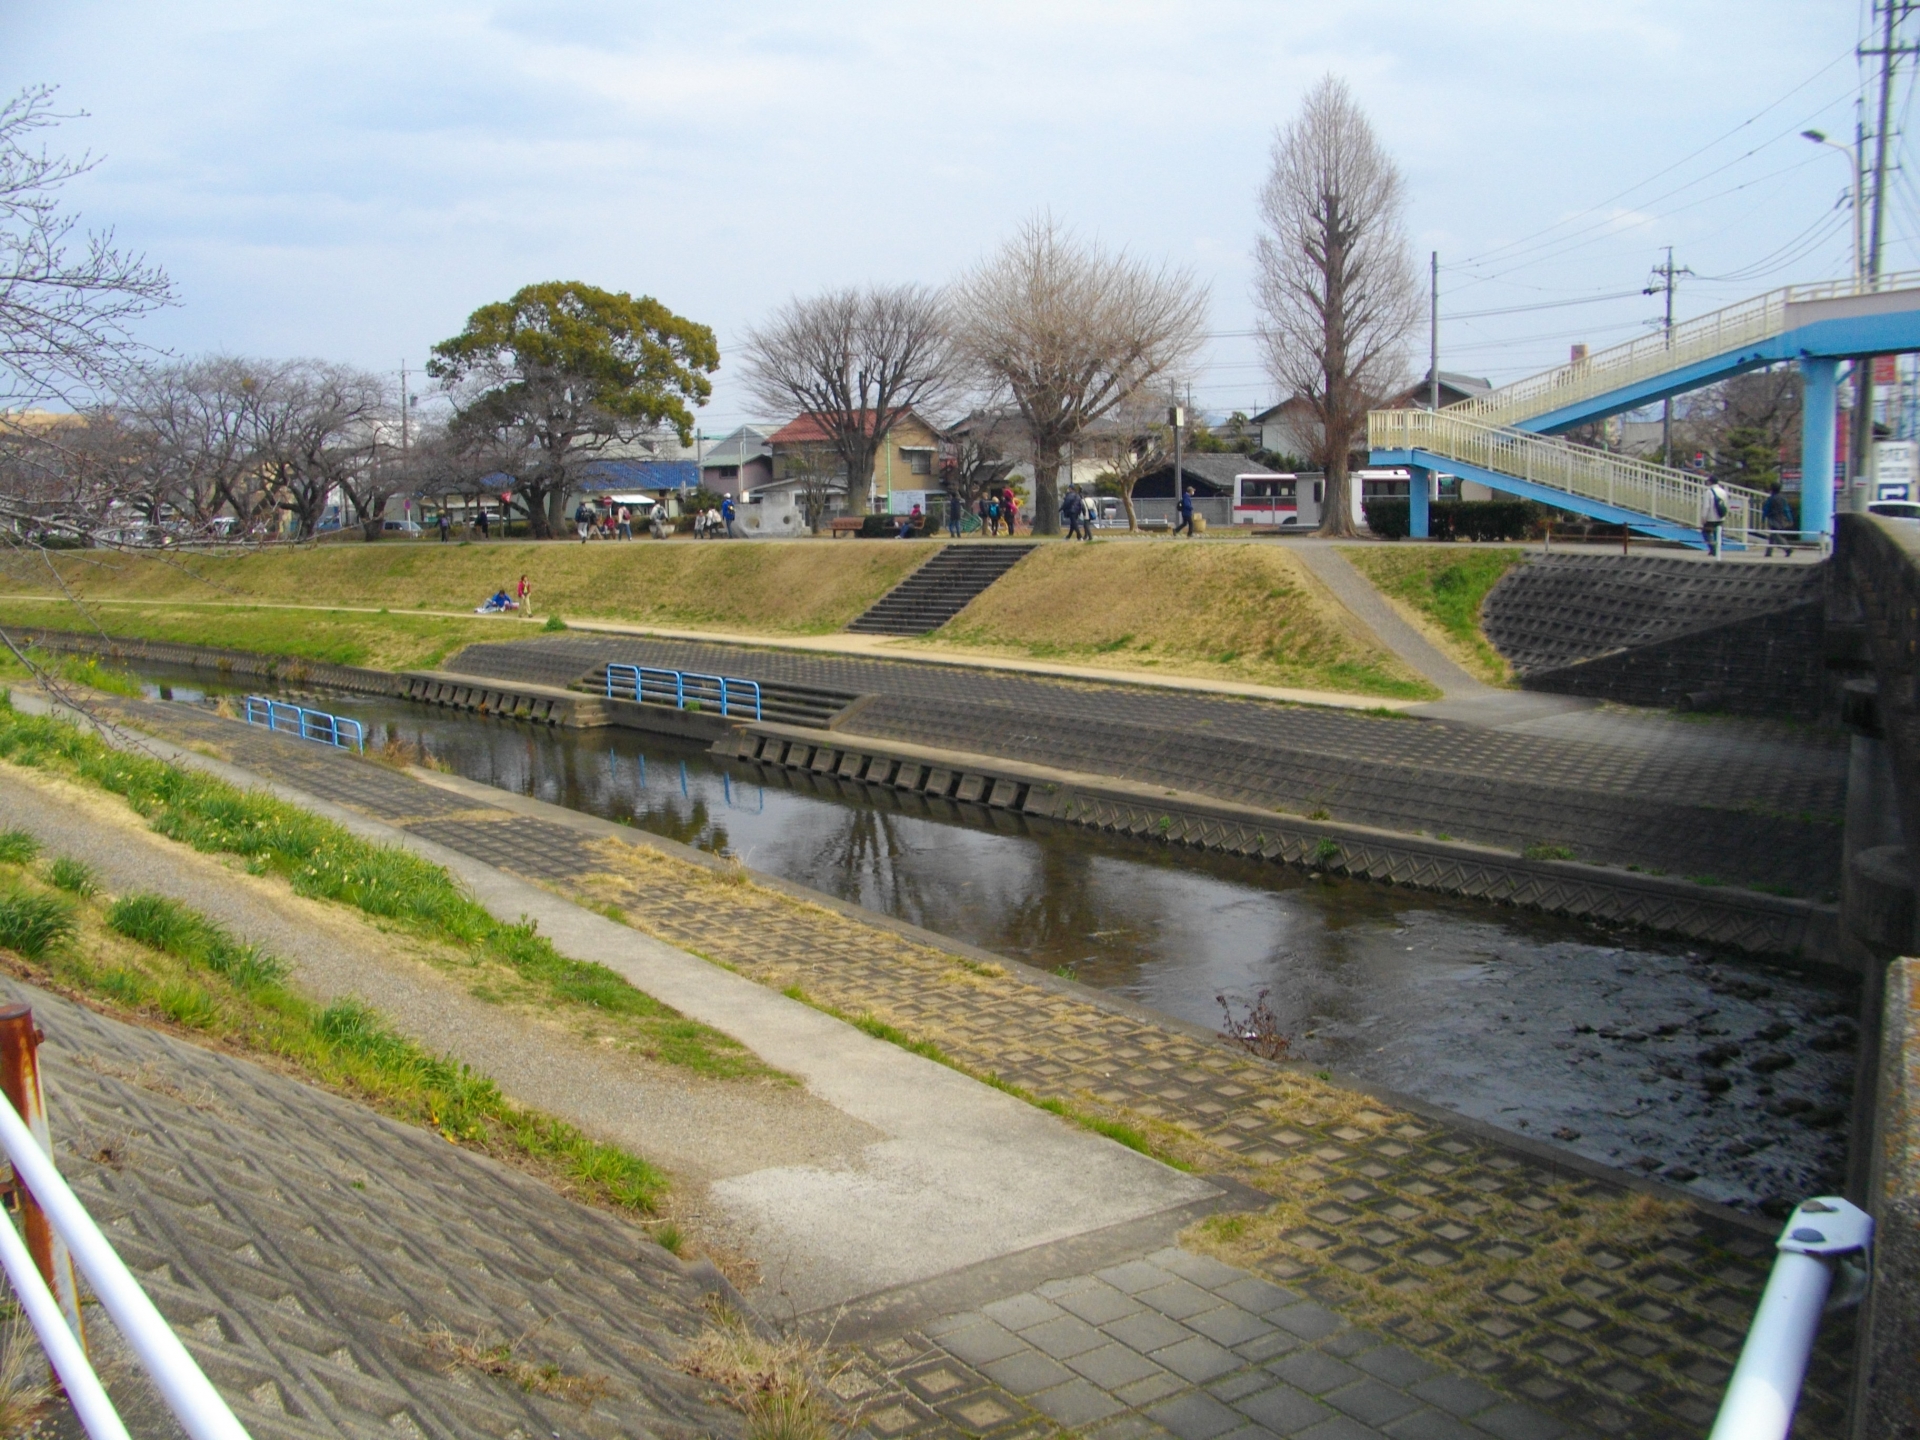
x,y
1505,439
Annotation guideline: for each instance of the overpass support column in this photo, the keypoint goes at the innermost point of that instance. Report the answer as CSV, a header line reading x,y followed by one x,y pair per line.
x,y
1816,446
1419,488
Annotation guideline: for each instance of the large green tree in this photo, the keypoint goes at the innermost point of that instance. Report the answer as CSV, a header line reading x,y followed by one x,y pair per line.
x,y
550,379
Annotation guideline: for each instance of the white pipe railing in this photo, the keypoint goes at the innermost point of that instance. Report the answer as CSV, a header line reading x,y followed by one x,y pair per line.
x,y
188,1393
1598,475
1765,1386
1688,343
64,1351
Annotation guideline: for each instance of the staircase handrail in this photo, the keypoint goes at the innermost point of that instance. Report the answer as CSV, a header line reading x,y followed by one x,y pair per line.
x,y
1646,489
1690,341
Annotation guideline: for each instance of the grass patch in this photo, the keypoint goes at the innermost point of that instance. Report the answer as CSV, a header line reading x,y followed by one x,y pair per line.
x,y
1243,612
33,923
779,1384
157,957
490,1355
17,847
325,861
1443,586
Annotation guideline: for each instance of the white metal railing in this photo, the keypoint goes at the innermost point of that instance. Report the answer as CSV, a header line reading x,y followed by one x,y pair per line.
x,y
1819,1239
1687,343
337,730
1655,491
679,687
181,1383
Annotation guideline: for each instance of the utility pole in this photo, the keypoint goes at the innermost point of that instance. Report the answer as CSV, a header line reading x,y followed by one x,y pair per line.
x,y
1666,274
1890,14
1433,333
406,464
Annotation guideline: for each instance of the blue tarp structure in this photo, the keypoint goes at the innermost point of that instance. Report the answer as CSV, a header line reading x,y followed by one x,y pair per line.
x,y
641,475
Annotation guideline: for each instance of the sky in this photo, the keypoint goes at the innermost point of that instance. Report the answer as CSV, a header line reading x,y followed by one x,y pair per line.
x,y
349,181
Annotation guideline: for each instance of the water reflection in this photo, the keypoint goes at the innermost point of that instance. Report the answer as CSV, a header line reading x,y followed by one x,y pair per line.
x,y
1561,1031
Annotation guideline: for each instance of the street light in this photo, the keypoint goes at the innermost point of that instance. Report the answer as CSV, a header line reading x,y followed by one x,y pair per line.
x,y
1853,192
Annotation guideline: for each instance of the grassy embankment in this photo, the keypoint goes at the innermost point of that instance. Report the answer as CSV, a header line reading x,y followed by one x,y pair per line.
x,y
189,973
1232,612
1439,588
806,588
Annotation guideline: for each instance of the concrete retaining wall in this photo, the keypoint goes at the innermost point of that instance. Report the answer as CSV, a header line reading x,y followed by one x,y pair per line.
x,y
1887,1394
1746,920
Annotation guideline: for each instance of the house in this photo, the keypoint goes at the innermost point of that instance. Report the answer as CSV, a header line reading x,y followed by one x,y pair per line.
x,y
1290,428
1454,387
738,463
905,460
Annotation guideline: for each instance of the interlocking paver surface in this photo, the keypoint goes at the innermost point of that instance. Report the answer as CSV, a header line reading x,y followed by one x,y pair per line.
x,y
1570,1293
306,1249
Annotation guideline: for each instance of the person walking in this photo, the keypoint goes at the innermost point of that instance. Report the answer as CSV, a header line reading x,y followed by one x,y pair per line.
x,y
1777,516
485,534
1010,510
523,595
993,515
583,520
1714,506
626,523
729,518
1186,513
446,526
953,514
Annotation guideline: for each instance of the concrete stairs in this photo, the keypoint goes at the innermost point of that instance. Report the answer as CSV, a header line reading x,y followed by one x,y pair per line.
x,y
939,589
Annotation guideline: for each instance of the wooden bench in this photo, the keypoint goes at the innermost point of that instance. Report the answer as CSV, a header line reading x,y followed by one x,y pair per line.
x,y
845,525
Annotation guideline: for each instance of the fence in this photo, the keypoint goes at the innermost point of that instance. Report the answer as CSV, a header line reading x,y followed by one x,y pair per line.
x,y
1597,475
684,689
67,1235
280,715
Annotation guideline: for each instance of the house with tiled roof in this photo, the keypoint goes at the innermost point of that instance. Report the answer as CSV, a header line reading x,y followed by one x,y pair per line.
x,y
905,462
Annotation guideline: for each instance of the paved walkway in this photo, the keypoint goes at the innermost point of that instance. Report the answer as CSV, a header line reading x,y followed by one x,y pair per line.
x,y
1580,1299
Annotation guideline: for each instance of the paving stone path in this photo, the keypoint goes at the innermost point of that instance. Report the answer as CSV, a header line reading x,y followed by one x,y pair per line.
x,y
1761,805
307,1250
1580,1298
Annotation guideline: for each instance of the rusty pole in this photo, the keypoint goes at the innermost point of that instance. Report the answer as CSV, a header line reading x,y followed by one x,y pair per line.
x,y
20,1081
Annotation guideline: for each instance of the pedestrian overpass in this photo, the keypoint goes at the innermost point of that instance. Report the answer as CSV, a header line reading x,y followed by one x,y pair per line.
x,y
1507,439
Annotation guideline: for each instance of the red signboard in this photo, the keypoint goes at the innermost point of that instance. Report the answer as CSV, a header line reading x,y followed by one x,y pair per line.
x,y
1885,370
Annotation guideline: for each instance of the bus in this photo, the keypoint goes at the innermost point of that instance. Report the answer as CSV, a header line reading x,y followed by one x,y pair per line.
x,y
1266,499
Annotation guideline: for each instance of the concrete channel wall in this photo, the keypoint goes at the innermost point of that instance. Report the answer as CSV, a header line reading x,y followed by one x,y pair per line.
x,y
1747,920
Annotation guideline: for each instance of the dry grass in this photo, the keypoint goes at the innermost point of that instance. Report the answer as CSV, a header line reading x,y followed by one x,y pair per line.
x,y
491,1355
24,1388
779,1384
1238,612
804,587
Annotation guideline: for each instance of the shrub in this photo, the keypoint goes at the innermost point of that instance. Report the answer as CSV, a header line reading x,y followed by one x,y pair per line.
x,y
554,622
73,876
33,924
17,847
1391,519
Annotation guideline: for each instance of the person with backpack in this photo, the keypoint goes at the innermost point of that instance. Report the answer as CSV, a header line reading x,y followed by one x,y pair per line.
x,y
583,521
993,515
1777,516
1714,508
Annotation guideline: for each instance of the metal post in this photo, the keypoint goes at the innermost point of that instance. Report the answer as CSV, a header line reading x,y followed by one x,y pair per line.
x,y
1816,447
1419,483
1765,1386
20,1081
1433,333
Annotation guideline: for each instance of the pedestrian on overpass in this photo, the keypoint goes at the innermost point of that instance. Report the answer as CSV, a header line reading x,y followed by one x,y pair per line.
x,y
1777,516
1714,505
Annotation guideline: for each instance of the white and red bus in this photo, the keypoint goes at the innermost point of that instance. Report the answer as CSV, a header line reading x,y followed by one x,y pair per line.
x,y
1267,499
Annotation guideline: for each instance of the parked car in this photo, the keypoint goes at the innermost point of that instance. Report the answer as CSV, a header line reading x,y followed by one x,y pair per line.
x,y
402,527
1896,509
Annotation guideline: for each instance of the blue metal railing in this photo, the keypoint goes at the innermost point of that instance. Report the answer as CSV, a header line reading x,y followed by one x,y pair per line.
x,y
280,715
681,688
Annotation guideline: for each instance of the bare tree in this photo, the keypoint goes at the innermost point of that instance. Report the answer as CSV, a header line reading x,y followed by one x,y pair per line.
x,y
814,469
856,363
66,318
973,458
1337,290
1140,442
1067,332
317,428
